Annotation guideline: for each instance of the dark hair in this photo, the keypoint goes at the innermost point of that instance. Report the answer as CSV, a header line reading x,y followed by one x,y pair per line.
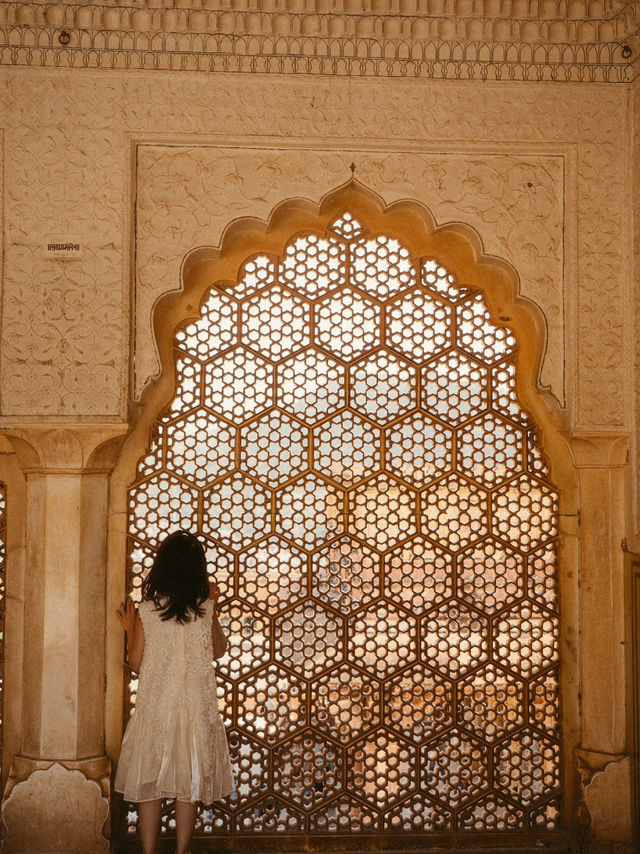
x,y
177,582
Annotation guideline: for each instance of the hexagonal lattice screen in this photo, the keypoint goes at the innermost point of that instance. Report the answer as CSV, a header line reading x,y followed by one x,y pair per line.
x,y
346,438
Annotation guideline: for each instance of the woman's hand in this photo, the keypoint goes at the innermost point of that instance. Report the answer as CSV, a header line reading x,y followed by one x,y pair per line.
x,y
127,614
214,593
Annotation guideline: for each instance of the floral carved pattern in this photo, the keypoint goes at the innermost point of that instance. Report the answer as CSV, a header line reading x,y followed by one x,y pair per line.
x,y
471,149
514,203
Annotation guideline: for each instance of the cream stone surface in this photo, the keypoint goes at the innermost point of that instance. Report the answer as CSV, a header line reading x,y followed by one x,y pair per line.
x,y
55,809
64,340
514,202
153,131
600,460
484,39
610,783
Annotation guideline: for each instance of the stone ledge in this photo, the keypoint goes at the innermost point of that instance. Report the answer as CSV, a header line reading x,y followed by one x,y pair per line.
x,y
560,39
326,56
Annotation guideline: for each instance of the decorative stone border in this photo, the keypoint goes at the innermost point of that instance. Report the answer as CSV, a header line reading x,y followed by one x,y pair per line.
x,y
565,40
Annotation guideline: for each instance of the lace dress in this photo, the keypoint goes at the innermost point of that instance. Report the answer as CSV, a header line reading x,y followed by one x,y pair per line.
x,y
175,745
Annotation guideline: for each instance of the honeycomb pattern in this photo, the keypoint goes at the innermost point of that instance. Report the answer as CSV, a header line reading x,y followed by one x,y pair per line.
x,y
543,703
225,694
314,265
346,438
347,448
256,273
503,387
250,762
418,703
236,510
455,768
455,512
542,582
308,769
419,449
379,768
220,565
418,575
310,511
478,336
345,575
419,815
238,385
381,266
276,323
348,325
188,391
536,461
383,386
190,452
160,504
345,703
343,815
311,385
491,813
249,634
274,448
269,816
308,639
381,639
215,329
439,280
546,816
490,703
153,458
346,226
526,639
455,639
383,512
526,767
419,326
525,512
454,387
490,575
490,450
272,574
140,562
271,705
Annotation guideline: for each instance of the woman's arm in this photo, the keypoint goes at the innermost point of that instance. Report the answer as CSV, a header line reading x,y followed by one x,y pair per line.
x,y
132,624
218,637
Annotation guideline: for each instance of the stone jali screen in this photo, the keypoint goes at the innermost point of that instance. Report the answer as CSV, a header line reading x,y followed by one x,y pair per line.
x,y
346,439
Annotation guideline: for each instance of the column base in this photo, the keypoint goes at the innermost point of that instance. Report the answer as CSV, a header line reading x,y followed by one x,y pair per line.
x,y
606,794
52,805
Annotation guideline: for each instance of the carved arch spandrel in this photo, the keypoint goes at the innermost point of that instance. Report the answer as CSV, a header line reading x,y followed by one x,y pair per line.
x,y
453,244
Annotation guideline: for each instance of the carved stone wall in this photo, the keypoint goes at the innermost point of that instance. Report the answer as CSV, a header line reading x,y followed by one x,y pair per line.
x,y
148,165
593,40
65,323
187,195
540,172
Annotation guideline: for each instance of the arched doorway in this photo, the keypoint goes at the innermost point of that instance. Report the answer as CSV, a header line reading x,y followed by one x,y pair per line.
x,y
346,434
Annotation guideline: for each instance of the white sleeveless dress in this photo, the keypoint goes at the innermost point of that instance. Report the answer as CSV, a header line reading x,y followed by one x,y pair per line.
x,y
175,745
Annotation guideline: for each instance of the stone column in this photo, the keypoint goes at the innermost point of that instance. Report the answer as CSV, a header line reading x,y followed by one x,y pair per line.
x,y
57,794
603,756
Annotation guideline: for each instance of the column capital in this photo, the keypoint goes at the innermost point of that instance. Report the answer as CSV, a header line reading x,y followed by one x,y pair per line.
x,y
598,449
68,448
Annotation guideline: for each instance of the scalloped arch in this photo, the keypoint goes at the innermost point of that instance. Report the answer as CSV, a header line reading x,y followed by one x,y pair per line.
x,y
454,243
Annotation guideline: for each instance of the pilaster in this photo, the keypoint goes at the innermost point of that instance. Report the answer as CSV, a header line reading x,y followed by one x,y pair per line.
x,y
62,743
603,757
